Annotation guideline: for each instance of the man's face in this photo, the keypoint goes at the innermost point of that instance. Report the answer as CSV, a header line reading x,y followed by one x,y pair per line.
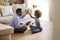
x,y
19,13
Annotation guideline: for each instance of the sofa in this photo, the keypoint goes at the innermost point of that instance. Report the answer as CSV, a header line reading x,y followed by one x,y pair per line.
x,y
5,32
5,17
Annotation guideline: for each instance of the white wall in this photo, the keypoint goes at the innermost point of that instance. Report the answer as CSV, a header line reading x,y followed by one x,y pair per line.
x,y
1,2
55,17
42,5
4,2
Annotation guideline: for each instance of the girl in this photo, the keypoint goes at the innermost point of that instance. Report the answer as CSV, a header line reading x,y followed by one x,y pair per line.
x,y
37,28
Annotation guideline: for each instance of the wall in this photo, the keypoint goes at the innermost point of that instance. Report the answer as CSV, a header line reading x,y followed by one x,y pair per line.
x,y
17,1
55,18
4,2
12,1
1,2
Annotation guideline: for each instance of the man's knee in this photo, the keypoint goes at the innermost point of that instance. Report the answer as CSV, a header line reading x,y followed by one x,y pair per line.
x,y
20,30
23,29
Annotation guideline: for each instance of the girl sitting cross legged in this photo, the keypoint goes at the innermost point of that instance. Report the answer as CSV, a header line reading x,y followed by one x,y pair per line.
x,y
37,28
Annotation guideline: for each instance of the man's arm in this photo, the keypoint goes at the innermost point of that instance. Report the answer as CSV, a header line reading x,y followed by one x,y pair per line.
x,y
24,15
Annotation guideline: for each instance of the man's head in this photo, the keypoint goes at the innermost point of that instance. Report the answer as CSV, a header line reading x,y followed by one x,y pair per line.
x,y
37,13
19,11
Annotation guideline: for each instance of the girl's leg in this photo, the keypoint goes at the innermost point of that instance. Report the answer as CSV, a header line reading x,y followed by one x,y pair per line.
x,y
40,29
36,30
32,27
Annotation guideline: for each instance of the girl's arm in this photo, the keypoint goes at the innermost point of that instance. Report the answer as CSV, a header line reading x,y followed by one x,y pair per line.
x,y
31,16
28,11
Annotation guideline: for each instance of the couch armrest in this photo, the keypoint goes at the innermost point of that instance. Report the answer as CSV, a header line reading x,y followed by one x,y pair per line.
x,y
5,30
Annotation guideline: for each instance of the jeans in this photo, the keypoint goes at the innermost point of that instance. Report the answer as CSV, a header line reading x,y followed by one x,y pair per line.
x,y
35,29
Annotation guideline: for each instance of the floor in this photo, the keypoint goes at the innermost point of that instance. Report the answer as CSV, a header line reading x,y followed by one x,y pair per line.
x,y
46,34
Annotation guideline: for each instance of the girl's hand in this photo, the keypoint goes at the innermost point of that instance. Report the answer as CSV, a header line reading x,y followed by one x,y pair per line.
x,y
27,23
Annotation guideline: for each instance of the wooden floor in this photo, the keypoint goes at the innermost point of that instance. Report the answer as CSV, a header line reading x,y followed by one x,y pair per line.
x,y
46,34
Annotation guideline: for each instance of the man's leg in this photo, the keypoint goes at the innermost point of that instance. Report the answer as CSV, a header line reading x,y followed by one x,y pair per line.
x,y
20,30
16,30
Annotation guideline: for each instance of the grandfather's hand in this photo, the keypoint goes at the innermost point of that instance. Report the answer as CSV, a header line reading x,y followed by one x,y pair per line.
x,y
27,23
28,10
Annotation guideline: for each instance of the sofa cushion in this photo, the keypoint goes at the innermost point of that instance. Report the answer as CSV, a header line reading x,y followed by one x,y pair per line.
x,y
6,10
4,29
5,20
16,6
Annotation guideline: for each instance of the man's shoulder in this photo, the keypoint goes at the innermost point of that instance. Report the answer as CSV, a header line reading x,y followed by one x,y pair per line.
x,y
14,17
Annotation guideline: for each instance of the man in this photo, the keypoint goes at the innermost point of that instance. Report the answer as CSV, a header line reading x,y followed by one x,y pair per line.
x,y
17,24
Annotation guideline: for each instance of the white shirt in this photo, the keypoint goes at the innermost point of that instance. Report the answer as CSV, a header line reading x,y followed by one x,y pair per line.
x,y
16,21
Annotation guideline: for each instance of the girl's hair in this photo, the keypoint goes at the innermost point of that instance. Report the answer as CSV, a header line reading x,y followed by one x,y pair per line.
x,y
37,13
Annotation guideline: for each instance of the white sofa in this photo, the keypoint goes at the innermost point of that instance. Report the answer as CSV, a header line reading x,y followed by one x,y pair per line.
x,y
5,20
5,32
6,14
